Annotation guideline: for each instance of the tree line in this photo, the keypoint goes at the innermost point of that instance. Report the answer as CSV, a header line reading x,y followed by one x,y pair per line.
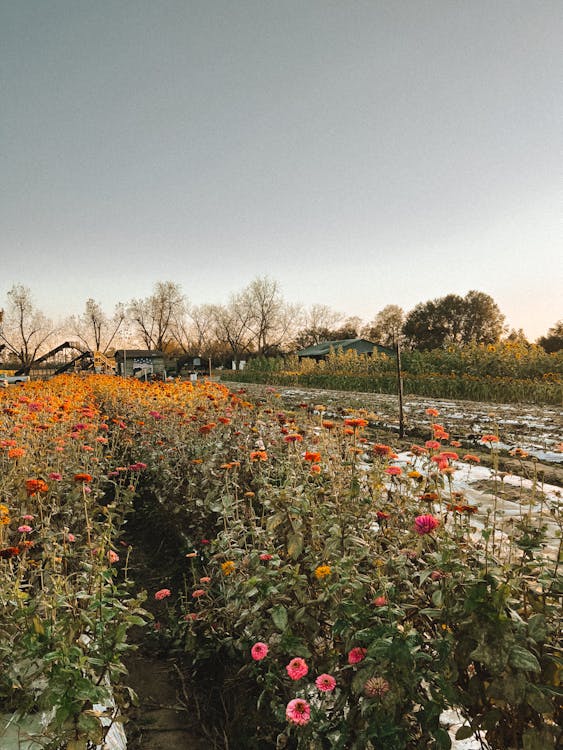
x,y
254,321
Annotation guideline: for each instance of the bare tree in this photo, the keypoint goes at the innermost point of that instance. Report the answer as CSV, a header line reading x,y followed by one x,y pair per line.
x,y
231,324
271,320
94,328
155,318
25,330
386,327
318,324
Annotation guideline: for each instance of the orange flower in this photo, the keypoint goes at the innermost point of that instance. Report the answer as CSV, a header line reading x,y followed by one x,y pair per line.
x,y
312,456
35,486
83,477
258,456
16,452
328,425
356,422
489,439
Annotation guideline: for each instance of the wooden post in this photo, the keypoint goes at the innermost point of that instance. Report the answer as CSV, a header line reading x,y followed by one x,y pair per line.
x,y
400,391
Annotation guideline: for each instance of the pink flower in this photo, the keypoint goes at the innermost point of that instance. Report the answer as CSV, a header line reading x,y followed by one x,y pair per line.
x,y
265,557
70,537
24,529
259,651
113,557
55,476
28,517
425,524
380,601
205,579
357,655
297,668
326,683
393,471
298,711
197,593
162,594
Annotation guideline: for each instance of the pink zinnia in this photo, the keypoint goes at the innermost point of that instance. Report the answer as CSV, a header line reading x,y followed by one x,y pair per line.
x,y
25,529
425,524
298,711
394,471
326,683
113,557
70,537
356,655
162,594
197,593
259,651
55,476
297,668
380,601
28,517
265,557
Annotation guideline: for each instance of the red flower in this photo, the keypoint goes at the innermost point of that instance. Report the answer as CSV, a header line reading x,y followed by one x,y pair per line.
x,y
357,655
425,524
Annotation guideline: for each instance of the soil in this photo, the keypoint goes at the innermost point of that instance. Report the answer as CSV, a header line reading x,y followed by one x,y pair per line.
x,y
162,719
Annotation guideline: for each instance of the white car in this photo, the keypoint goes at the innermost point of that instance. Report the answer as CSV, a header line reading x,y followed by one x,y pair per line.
x,y
6,380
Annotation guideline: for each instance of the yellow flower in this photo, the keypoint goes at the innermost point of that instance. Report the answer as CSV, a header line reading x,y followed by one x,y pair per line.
x,y
228,567
322,571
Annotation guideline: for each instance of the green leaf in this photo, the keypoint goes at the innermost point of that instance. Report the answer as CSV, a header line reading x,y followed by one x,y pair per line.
x,y
443,739
521,658
464,732
536,628
279,617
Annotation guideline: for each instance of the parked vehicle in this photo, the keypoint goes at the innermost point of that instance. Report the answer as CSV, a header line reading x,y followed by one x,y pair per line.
x,y
6,380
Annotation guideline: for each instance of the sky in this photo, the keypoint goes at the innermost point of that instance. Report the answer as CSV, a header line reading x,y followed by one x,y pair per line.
x,y
359,152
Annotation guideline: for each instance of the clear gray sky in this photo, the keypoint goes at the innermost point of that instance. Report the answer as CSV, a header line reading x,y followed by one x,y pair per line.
x,y
360,152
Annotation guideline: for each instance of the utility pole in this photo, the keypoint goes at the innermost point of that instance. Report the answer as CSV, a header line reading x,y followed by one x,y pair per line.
x,y
400,389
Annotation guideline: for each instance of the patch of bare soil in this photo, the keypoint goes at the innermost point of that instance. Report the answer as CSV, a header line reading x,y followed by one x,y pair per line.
x,y
161,720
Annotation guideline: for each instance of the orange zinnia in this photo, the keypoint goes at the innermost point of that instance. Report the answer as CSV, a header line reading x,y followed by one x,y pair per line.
x,y
83,477
35,486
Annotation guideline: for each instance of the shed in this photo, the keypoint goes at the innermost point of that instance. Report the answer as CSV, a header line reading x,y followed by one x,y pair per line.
x,y
139,362
360,346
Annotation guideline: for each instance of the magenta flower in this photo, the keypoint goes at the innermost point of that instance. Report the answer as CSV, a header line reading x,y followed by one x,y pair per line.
x,y
425,524
259,651
55,476
297,668
298,711
326,683
357,655
162,594
24,529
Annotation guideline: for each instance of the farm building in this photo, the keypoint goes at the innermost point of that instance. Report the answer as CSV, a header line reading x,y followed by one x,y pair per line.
x,y
139,362
360,346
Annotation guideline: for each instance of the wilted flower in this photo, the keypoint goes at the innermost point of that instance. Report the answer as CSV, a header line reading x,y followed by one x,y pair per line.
x,y
376,687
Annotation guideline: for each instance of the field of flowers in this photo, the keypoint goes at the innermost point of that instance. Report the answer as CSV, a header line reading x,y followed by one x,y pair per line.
x,y
318,589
